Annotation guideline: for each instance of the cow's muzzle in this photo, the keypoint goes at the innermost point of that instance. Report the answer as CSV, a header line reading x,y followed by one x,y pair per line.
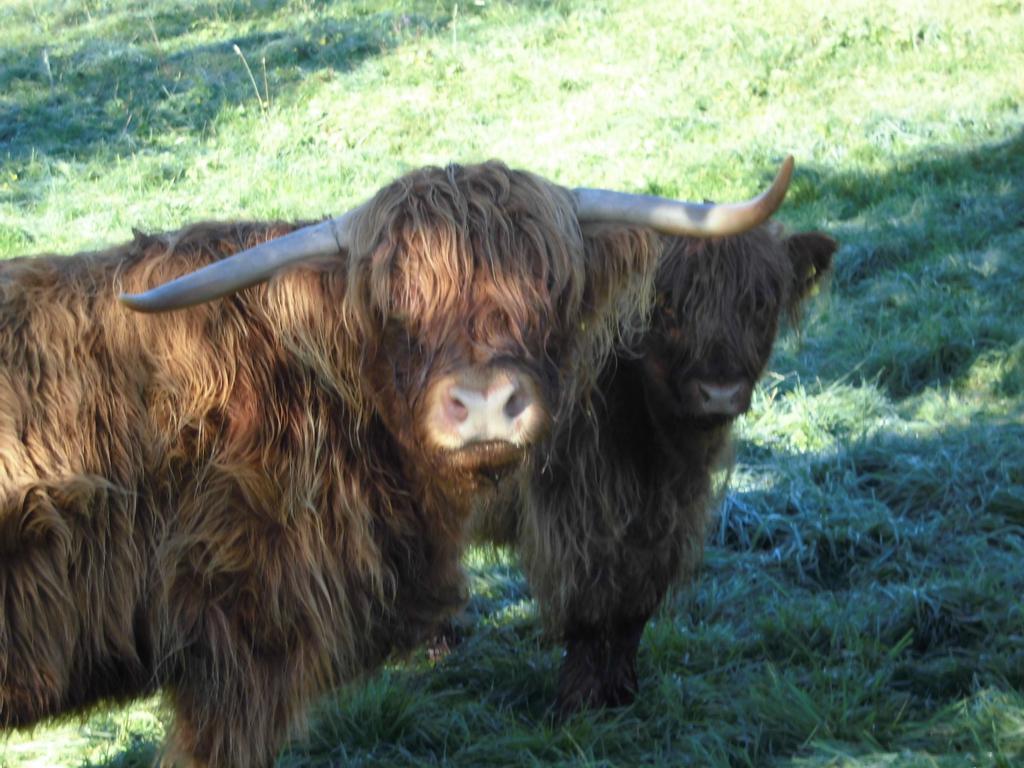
x,y
488,415
729,399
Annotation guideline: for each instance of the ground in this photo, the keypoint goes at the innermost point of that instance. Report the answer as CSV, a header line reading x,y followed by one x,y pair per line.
x,y
860,603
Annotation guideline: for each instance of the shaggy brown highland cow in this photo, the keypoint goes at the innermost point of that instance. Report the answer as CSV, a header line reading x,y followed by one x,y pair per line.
x,y
254,500
619,512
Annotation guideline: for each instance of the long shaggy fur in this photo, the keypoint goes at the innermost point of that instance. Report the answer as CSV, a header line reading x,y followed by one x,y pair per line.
x,y
232,502
620,511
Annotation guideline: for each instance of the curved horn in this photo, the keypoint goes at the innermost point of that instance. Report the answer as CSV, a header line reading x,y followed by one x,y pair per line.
x,y
245,268
673,217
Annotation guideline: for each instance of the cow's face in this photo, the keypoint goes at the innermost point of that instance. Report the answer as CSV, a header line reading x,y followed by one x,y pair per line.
x,y
481,315
718,308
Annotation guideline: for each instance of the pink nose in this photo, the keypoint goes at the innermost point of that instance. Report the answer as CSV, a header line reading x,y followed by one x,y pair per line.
x,y
481,407
503,398
724,399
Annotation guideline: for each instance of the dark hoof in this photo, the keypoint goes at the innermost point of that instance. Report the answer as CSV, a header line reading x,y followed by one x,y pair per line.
x,y
593,678
599,669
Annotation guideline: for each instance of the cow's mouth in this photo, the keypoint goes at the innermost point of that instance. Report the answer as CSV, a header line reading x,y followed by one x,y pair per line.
x,y
705,422
491,460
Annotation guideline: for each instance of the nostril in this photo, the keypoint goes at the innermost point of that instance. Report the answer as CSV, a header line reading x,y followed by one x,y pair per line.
x,y
731,393
516,404
455,408
485,406
728,399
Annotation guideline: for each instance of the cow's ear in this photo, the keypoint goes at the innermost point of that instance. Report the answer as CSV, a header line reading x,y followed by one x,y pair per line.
x,y
811,256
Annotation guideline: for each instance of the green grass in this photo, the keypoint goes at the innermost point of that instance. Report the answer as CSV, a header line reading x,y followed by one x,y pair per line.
x,y
860,604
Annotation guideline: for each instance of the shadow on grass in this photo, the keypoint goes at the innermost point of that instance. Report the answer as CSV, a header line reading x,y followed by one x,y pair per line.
x,y
871,511
134,87
927,278
923,537
869,590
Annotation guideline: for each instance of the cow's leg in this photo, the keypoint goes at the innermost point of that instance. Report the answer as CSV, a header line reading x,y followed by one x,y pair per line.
x,y
595,591
244,675
39,619
599,568
620,682
254,621
579,678
233,705
599,667
70,631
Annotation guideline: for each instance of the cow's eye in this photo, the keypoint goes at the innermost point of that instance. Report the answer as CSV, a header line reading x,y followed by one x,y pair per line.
x,y
666,318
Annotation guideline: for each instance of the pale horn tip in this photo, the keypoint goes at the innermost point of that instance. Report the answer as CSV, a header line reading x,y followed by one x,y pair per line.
x,y
138,302
777,191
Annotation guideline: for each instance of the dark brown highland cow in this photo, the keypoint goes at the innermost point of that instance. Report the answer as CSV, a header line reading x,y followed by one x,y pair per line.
x,y
254,500
619,512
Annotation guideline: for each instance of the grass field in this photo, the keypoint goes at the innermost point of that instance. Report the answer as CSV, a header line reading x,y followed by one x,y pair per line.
x,y
861,600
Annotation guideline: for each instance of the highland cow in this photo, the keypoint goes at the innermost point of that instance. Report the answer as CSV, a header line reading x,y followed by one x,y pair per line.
x,y
620,511
254,500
